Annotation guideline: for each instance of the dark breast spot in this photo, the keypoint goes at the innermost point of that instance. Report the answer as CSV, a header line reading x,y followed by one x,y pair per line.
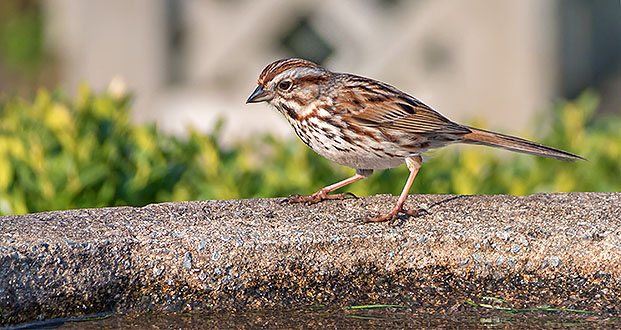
x,y
327,134
300,131
347,139
290,112
332,122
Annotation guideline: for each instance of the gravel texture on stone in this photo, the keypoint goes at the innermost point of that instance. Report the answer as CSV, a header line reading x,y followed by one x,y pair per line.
x,y
560,250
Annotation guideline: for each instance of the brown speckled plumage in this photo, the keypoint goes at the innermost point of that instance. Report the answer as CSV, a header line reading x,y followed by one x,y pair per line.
x,y
366,124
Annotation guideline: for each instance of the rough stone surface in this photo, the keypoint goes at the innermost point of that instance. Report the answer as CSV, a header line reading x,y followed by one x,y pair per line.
x,y
546,249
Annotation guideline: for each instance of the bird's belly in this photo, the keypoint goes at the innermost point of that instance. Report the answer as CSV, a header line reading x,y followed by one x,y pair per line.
x,y
361,159
362,151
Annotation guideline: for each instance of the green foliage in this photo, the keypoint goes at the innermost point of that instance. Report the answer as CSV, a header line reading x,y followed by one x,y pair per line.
x,y
60,154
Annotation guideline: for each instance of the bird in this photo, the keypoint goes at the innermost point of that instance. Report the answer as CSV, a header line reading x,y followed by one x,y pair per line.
x,y
368,125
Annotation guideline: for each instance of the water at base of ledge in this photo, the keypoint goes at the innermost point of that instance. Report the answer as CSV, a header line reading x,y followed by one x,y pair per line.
x,y
353,317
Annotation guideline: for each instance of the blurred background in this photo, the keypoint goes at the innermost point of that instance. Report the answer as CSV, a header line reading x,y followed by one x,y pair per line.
x,y
115,102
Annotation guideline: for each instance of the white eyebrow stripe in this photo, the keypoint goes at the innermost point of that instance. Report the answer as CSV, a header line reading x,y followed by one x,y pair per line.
x,y
297,72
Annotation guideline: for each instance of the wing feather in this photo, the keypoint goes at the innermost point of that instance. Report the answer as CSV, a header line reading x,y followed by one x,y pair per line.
x,y
404,113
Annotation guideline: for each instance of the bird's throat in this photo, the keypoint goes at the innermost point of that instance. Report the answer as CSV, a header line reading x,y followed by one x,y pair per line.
x,y
295,111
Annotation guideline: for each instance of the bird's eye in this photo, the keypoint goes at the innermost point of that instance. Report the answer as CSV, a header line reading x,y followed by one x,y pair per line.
x,y
285,85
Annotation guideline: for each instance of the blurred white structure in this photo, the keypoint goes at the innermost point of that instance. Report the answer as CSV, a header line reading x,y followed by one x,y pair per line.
x,y
190,62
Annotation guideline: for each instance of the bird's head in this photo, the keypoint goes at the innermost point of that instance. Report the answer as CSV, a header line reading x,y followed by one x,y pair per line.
x,y
289,83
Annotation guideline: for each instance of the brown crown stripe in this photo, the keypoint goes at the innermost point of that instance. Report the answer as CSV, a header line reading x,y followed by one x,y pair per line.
x,y
312,79
282,65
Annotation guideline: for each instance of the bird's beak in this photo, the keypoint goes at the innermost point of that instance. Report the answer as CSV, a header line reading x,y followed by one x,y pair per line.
x,y
259,95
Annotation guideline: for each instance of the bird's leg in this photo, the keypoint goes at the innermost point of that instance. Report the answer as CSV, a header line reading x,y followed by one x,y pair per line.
x,y
414,164
322,194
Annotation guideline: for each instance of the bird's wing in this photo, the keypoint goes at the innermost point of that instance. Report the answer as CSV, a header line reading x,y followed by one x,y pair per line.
x,y
381,105
405,113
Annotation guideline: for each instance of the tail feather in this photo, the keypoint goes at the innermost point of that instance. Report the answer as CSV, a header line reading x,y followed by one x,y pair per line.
x,y
492,139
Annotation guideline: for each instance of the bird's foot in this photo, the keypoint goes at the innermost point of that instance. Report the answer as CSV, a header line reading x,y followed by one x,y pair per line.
x,y
392,215
316,197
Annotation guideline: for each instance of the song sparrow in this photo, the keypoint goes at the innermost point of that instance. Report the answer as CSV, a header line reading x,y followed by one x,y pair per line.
x,y
368,125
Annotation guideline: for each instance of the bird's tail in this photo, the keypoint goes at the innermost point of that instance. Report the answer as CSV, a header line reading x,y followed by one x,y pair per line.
x,y
482,137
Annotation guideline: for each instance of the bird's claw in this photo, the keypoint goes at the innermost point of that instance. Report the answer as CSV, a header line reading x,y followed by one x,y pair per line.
x,y
291,197
392,215
349,194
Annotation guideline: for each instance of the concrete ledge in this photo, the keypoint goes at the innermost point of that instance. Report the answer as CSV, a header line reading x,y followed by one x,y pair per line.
x,y
555,249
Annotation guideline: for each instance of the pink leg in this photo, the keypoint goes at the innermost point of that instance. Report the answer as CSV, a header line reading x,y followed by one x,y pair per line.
x,y
414,164
322,194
